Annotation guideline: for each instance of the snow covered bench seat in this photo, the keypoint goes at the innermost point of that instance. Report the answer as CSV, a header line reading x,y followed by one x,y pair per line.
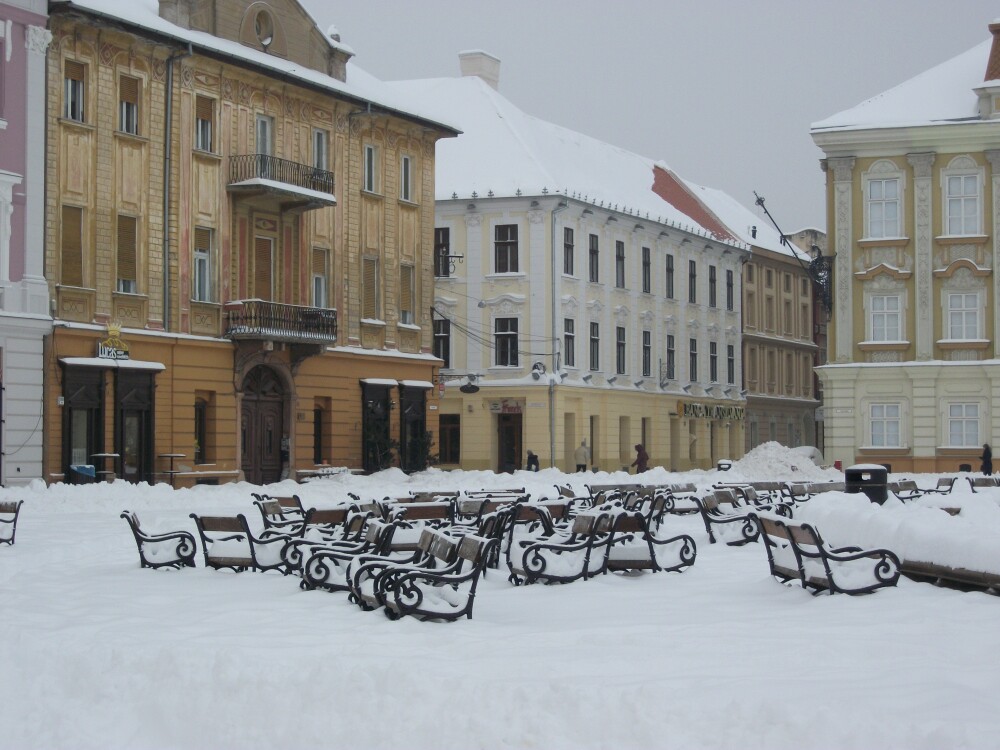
x,y
446,594
435,550
324,526
229,543
907,489
283,514
797,553
727,520
9,511
945,574
325,566
978,483
634,546
562,559
174,549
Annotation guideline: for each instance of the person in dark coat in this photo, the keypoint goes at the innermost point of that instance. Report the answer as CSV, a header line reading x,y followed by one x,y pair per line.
x,y
641,462
532,461
987,458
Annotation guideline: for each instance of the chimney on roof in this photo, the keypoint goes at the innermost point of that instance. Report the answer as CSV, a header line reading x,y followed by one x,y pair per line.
x,y
993,64
481,64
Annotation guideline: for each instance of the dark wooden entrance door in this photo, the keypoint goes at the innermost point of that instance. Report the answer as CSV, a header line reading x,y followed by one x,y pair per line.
x,y
262,426
509,442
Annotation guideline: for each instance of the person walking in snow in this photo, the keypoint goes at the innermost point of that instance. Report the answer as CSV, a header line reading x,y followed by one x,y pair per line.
x,y
582,456
987,459
532,461
641,462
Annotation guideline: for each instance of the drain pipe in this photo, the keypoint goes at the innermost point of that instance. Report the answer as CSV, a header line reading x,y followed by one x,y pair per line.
x,y
167,164
555,336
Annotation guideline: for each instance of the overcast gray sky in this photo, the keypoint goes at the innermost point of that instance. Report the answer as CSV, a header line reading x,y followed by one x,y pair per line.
x,y
724,92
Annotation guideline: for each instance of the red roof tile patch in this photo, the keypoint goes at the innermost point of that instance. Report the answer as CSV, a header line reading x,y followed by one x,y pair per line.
x,y
669,188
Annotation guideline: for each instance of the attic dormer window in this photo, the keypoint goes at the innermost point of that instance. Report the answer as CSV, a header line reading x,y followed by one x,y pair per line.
x,y
263,27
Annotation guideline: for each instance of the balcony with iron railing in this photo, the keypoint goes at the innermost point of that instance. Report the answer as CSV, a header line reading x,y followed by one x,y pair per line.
x,y
256,319
293,185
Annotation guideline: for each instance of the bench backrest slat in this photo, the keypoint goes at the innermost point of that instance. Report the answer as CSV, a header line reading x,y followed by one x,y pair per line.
x,y
220,523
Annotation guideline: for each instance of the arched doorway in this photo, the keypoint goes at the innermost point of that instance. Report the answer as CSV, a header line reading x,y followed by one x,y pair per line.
x,y
262,425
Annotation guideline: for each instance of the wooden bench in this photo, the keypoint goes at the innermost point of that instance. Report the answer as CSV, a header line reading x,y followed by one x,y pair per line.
x,y
284,514
325,566
327,526
907,489
435,551
721,510
558,559
634,546
978,483
9,512
229,543
946,575
797,553
438,594
175,549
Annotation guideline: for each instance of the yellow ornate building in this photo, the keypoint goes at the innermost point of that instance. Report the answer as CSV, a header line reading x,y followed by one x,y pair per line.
x,y
237,246
913,177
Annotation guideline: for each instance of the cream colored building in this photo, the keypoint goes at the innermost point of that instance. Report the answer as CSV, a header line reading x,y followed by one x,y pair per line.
x,y
583,293
913,177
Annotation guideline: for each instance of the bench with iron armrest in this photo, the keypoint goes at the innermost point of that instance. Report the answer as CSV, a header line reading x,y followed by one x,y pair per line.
x,y
907,489
470,511
229,543
582,554
635,546
802,491
325,566
680,498
329,525
9,511
496,492
493,525
721,510
797,553
439,594
175,549
978,483
284,514
429,496
751,494
435,550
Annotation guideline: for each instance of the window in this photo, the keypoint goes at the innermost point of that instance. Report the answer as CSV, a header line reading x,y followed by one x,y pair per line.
x,y
204,123
595,346
200,430
320,285
450,439
505,248
647,354
406,179
883,208
729,290
885,318
595,260
692,281
963,316
885,422
963,425
442,249
647,278
768,278
201,279
126,254
72,246
786,281
713,362
693,360
505,341
74,90
265,135
567,251
442,341
370,170
620,264
128,104
369,288
711,287
620,350
569,342
263,274
731,364
317,435
749,273
406,295
671,359
321,149
670,276
963,204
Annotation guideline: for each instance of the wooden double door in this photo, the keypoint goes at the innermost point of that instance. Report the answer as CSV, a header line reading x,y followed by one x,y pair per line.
x,y
264,444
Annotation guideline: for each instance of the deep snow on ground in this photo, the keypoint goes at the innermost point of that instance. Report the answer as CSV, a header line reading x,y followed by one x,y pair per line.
x,y
97,653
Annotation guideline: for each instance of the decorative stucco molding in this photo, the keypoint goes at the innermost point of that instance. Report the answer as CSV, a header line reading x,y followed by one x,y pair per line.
x,y
37,40
923,251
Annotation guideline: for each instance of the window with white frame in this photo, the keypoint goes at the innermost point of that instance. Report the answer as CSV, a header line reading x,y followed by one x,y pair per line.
x,y
74,90
595,346
713,362
693,360
505,342
442,341
620,264
670,276
731,364
963,316
883,207
647,354
129,89
594,259
963,425
505,248
320,284
620,350
406,294
885,318
671,358
568,251
201,282
442,249
962,203
321,149
569,342
370,169
885,425
204,123
647,271
406,178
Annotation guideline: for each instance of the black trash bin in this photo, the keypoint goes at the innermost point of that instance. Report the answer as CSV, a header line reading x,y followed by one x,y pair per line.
x,y
871,479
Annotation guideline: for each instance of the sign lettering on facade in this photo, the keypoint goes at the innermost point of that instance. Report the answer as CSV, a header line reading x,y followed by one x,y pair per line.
x,y
714,411
112,347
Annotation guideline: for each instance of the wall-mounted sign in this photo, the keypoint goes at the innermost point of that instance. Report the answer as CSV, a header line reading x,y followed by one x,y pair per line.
x,y
713,411
112,347
505,407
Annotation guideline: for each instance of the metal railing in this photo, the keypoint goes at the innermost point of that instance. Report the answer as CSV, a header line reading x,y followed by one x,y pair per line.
x,y
263,167
258,319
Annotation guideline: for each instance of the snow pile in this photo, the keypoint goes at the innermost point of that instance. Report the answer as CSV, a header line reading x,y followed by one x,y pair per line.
x,y
774,462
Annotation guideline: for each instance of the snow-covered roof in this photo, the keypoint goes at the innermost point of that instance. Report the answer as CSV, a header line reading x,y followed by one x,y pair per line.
x,y
943,94
503,150
359,85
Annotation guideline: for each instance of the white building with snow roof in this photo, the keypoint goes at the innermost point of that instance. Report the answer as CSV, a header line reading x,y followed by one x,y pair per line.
x,y
583,293
913,179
